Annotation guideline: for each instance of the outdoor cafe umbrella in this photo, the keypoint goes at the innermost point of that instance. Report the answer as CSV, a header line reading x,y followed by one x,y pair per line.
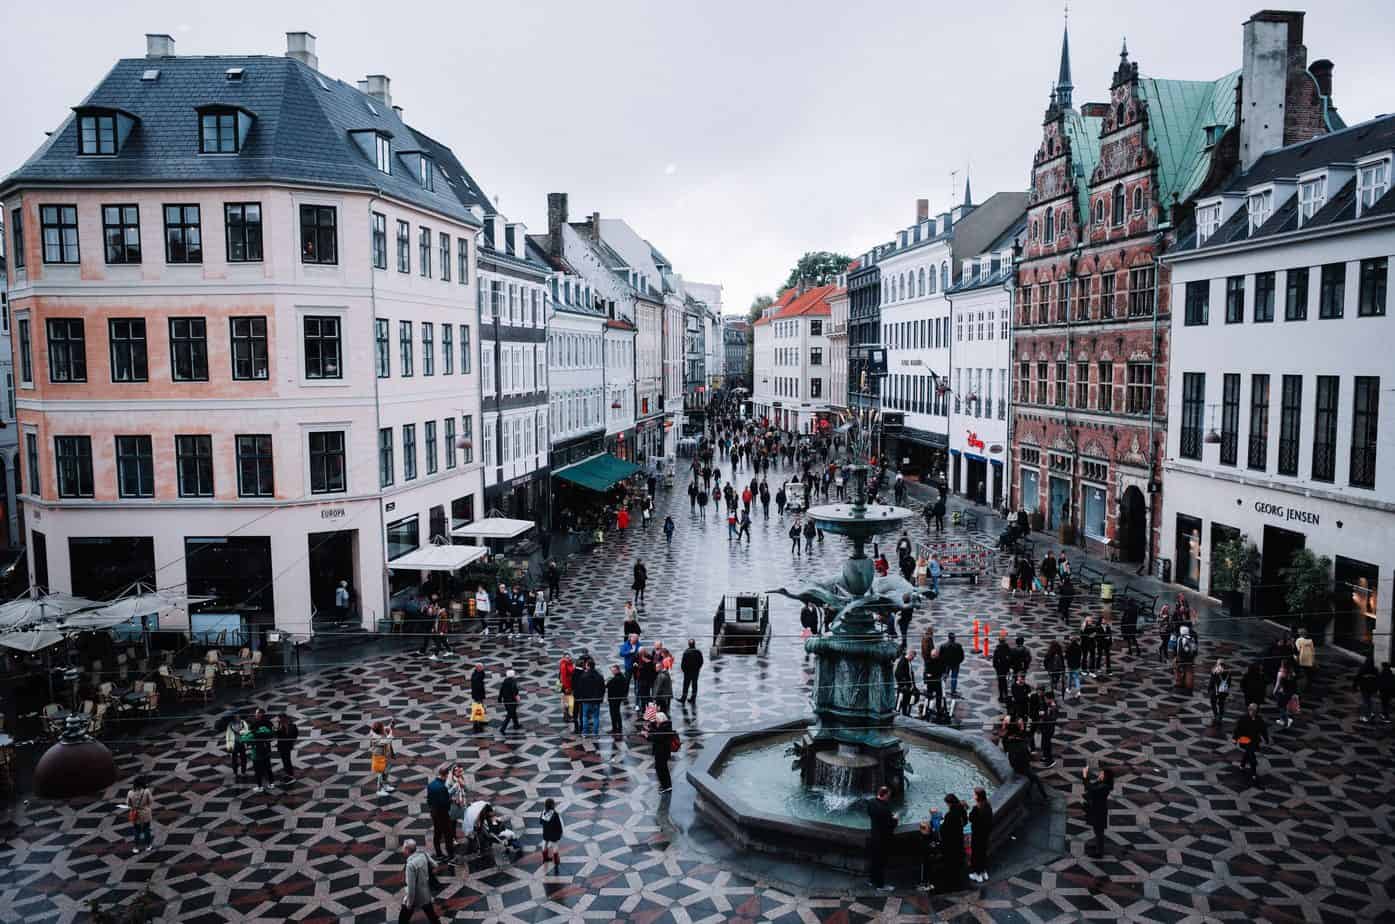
x,y
29,609
31,640
126,609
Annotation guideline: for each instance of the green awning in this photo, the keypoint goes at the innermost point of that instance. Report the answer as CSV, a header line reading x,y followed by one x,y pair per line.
x,y
598,473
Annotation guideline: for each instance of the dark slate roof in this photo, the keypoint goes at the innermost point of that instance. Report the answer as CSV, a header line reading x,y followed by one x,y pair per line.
x,y
301,132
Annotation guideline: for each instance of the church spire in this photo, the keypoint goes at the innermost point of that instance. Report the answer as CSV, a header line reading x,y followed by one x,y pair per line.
x,y
968,197
1063,84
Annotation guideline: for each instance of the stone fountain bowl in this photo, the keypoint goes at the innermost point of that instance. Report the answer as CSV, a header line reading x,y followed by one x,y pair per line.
x,y
841,520
837,845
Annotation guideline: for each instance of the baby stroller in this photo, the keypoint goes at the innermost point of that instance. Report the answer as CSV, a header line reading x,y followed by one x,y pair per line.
x,y
485,832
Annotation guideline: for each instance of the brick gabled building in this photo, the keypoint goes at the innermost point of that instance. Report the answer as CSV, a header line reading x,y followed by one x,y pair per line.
x,y
1110,182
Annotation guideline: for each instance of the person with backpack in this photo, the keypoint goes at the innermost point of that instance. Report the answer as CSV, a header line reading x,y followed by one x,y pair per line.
x,y
1186,659
668,529
1218,686
551,822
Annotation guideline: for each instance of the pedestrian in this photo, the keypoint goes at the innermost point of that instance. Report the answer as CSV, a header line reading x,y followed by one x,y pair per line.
x,y
810,531
1306,653
952,844
745,529
794,537
262,736
341,600
440,635
903,620
1019,697
459,796
1253,685
1002,666
646,512
380,751
663,687
551,822
1048,572
1046,727
1019,752
540,615
286,735
1067,596
590,691
883,827
981,835
646,673
1286,695
1104,643
417,896
731,525
554,580
1186,659
1098,786
691,665
1167,635
617,691
1218,686
905,683
668,529
953,655
438,803
692,496
622,519
1251,731
641,579
780,500
236,736
1088,634
934,569
1128,627
1075,656
663,740
566,678
1021,657
934,685
483,606
1055,664
508,695
1386,686
140,812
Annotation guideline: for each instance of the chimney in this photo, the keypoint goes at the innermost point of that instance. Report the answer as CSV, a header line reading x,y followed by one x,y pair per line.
x,y
301,46
556,220
596,226
1094,110
398,110
1271,39
378,88
159,45
922,209
1321,70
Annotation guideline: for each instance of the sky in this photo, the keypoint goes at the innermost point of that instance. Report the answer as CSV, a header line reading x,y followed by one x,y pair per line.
x,y
734,136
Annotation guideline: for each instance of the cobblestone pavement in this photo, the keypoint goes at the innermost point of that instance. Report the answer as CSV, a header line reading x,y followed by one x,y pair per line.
x,y
1188,841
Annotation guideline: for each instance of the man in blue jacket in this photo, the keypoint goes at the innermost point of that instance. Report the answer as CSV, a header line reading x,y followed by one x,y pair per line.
x,y
442,825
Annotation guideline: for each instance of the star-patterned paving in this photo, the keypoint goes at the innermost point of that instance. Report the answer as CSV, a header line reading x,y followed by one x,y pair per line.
x,y
1189,840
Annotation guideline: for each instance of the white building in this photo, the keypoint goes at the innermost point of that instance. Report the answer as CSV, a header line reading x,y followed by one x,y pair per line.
x,y
838,346
646,280
714,350
11,534
1280,357
792,368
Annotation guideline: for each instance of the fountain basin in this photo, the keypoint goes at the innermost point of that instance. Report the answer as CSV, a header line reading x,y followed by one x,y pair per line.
x,y
748,793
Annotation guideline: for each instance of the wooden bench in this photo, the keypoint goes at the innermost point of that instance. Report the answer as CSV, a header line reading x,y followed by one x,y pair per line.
x,y
1090,578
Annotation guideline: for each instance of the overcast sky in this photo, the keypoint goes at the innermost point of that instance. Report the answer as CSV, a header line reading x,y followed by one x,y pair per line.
x,y
733,135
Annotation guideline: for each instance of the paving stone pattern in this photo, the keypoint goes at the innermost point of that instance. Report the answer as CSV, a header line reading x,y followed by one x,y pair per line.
x,y
1188,841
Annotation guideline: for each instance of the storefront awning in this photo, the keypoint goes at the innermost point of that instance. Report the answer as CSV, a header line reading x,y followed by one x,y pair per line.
x,y
493,528
598,473
438,558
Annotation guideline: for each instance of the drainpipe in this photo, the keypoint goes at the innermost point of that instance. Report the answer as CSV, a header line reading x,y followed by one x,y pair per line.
x,y
377,407
949,367
1010,289
1072,261
1152,394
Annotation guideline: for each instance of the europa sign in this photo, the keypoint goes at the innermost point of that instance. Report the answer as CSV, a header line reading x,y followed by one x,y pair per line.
x,y
1278,511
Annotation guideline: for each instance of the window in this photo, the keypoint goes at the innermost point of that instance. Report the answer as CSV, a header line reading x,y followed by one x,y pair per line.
x,y
135,467
379,241
97,134
1260,206
249,349
1138,198
1082,385
1107,296
404,247
58,224
1141,292
816,388
26,355
1024,383
409,452
424,250
1198,302
319,241
815,328
1364,427
381,347
404,346
193,460
126,337
1312,195
382,153
1234,299
73,458
462,253
1048,238
121,233
1208,221
1117,216
1296,294
1372,182
467,432
1374,276
816,356
1259,422
242,225
1325,429
218,132
1139,396
1264,297
385,463
1106,387
183,238
1082,300
430,447
1063,301
1332,290
425,174
428,348
67,350
1193,407
464,350
1099,211
31,461
1230,417
327,462
1290,420
1041,383
254,466
323,349
17,232
450,442
189,350
447,349
444,244
1060,384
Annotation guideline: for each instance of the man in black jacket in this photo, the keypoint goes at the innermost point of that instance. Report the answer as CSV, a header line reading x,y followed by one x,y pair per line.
x,y
690,664
1021,657
589,688
617,692
1250,732
262,736
905,683
1002,666
508,695
879,837
953,654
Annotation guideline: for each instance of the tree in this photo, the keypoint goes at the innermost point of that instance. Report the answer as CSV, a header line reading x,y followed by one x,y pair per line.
x,y
1307,585
817,268
759,304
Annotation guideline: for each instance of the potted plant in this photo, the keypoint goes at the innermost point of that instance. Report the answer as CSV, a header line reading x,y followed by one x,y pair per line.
x,y
1233,566
1307,583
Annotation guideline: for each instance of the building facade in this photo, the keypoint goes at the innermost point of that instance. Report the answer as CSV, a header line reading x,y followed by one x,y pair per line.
x,y
838,347
234,373
1277,433
11,533
864,334
792,391
736,341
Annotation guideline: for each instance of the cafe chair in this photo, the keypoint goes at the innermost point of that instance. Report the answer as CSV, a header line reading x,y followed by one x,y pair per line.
x,y
123,670
205,686
99,720
150,703
88,707
256,659
96,668
104,691
53,720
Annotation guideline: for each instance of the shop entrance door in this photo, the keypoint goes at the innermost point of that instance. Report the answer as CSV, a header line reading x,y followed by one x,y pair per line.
x,y
332,558
1280,545
1060,501
1356,586
977,488
1187,555
1133,525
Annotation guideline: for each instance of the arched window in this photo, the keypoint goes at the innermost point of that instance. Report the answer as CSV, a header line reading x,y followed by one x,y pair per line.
x,y
1119,115
1099,211
922,282
1034,230
1118,217
944,275
1138,198
901,288
932,280
1050,234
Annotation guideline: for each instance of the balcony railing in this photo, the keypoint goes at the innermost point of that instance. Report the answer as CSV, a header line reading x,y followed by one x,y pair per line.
x,y
1258,453
1363,466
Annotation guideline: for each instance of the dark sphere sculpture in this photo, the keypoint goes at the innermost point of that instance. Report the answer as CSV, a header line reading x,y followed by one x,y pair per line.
x,y
77,765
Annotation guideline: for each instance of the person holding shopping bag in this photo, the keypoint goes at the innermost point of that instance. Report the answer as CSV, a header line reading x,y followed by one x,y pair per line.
x,y
380,750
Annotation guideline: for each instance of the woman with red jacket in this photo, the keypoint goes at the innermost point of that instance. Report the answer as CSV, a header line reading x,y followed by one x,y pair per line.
x,y
565,668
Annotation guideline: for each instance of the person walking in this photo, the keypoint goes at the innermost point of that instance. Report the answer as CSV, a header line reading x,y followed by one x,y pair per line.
x,y
883,826
1048,572
662,739
810,531
691,665
952,844
794,537
1286,695
934,569
262,736
380,753
663,687
780,500
551,822
641,579
1098,787
903,619
692,496
236,736
1046,728
1055,664
668,529
1128,627
745,528
140,809
617,691
341,600
554,580
1218,686
417,895
1385,684
1002,665
1019,752
1253,685
1251,732
1186,659
1088,634
1367,684
953,654
590,691
1104,644
566,680
508,696
1075,656
646,673
1307,660
540,615
981,836
286,735
905,683
438,803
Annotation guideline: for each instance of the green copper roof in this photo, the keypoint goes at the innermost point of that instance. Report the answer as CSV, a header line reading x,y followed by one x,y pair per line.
x,y
1084,135
1178,113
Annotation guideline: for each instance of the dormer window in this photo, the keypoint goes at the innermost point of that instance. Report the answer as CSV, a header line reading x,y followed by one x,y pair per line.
x,y
383,153
425,174
97,134
1208,221
222,130
1372,182
1260,206
1312,196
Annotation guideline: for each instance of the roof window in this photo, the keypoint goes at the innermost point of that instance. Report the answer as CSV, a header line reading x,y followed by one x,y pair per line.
x,y
101,132
425,174
223,129
151,75
383,152
233,74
